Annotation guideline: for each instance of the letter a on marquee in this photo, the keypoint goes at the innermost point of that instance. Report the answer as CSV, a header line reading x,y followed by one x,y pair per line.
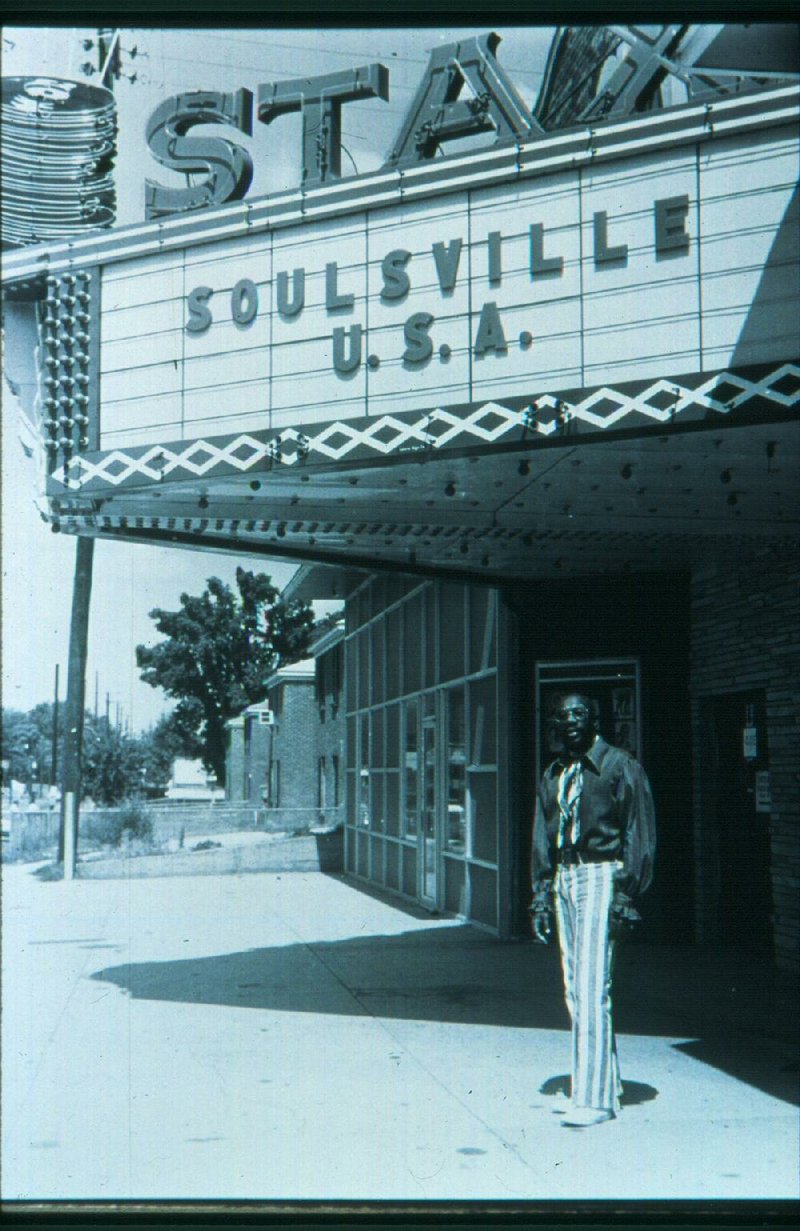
x,y
437,113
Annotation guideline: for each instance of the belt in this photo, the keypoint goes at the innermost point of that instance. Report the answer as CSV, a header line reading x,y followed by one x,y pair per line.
x,y
570,857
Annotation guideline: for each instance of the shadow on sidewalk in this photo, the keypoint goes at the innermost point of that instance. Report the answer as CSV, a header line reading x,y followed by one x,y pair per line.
x,y
633,1093
458,974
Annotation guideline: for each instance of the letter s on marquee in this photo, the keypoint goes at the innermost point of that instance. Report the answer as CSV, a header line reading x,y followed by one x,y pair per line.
x,y
419,347
228,167
199,312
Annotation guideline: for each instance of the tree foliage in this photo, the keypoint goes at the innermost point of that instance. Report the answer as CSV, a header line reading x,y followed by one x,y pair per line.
x,y
116,765
113,762
218,651
27,743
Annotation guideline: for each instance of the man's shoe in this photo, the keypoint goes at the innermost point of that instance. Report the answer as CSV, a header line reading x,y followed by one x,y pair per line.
x,y
585,1117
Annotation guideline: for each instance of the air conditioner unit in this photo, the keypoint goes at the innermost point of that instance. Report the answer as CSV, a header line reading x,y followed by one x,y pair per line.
x,y
266,718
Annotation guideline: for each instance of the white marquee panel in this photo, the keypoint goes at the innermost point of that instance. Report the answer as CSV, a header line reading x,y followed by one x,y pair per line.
x,y
591,322
751,278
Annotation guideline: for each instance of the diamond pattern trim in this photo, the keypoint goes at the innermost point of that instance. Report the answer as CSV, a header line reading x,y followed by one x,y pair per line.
x,y
389,434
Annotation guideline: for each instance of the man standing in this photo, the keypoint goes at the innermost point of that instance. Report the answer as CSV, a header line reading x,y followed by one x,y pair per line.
x,y
593,849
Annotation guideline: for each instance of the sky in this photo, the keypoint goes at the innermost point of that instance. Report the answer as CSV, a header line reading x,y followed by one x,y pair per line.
x,y
131,579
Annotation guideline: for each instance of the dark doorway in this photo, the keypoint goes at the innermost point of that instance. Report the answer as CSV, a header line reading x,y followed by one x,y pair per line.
x,y
742,794
626,620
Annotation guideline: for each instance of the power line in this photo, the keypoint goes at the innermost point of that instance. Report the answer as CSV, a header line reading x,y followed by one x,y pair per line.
x,y
314,49
263,70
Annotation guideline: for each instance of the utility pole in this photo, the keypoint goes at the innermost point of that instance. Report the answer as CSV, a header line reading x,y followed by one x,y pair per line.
x,y
108,53
54,749
74,708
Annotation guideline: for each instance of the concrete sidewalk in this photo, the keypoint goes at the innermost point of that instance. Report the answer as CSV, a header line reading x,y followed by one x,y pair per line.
x,y
292,1037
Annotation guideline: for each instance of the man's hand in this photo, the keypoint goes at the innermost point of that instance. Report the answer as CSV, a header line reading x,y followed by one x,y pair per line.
x,y
542,925
624,918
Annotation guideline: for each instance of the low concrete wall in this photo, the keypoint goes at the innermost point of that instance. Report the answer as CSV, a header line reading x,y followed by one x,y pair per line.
x,y
304,853
33,835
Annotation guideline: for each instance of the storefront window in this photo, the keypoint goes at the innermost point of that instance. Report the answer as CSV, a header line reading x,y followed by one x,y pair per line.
x,y
455,821
377,781
412,650
392,803
352,797
378,635
394,649
377,756
482,628
392,717
483,815
411,770
483,721
451,625
363,670
429,801
363,798
363,775
430,636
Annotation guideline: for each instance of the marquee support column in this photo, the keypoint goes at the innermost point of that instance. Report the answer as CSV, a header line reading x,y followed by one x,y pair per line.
x,y
74,707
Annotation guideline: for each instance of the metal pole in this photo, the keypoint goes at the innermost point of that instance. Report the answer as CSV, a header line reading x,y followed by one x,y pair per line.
x,y
108,53
74,708
54,750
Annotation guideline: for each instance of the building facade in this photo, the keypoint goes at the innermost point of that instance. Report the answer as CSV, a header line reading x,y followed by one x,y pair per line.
x,y
447,698
530,410
286,754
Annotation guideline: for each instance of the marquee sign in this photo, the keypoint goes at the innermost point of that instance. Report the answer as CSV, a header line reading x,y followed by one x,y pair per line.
x,y
637,276
437,115
621,270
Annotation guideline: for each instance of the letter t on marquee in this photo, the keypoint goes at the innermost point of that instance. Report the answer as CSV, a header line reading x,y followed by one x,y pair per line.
x,y
320,99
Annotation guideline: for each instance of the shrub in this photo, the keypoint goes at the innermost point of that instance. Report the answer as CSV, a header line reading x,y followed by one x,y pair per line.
x,y
135,823
127,823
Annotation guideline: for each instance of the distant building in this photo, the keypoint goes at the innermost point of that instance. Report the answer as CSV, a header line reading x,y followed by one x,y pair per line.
x,y
190,780
287,752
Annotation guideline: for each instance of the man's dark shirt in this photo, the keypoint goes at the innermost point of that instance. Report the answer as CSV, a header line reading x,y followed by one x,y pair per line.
x,y
616,821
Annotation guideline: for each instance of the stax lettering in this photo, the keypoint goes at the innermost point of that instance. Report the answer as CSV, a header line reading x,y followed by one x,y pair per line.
x,y
436,115
670,238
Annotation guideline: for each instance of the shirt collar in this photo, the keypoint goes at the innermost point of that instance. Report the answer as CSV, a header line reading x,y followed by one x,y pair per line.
x,y
591,759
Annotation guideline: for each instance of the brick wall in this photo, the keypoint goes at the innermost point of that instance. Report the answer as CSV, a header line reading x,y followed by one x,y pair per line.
x,y
234,761
746,635
257,767
295,747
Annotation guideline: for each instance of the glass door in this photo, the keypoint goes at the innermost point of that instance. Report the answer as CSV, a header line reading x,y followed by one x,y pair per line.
x,y
428,794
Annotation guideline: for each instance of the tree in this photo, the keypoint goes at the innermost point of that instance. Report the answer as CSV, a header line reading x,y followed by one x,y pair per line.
x,y
23,746
28,743
112,763
116,766
219,650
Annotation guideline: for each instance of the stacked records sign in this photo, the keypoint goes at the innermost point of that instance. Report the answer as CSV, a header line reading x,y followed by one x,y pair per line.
x,y
58,150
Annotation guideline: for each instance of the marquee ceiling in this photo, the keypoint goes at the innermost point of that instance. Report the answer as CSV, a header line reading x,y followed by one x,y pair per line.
x,y
663,501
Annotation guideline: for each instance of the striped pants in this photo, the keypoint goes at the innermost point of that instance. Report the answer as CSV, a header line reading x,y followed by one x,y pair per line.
x,y
583,896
